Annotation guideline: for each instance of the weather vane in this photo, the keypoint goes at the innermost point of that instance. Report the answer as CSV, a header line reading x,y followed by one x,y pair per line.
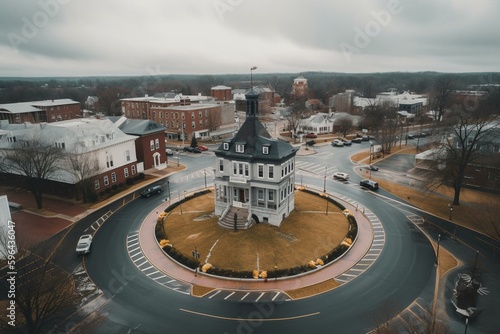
x,y
251,79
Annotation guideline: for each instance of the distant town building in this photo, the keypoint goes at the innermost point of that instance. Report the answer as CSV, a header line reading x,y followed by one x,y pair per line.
x,y
343,102
412,104
300,89
40,111
254,175
183,116
267,98
222,93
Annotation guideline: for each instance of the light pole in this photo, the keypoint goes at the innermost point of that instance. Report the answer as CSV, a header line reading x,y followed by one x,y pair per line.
x,y
437,252
475,262
324,182
466,323
371,147
451,210
205,172
168,188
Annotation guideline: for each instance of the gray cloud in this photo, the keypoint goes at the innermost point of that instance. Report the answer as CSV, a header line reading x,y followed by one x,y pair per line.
x,y
222,36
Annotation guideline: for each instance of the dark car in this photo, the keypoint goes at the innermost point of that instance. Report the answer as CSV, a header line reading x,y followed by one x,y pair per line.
x,y
191,149
372,185
154,190
310,143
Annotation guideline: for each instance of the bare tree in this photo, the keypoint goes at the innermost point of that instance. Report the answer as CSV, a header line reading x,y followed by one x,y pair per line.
x,y
441,95
345,124
85,168
468,132
35,160
295,117
214,120
42,290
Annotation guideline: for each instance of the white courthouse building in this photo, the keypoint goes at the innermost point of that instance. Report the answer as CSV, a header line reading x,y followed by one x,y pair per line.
x,y
254,175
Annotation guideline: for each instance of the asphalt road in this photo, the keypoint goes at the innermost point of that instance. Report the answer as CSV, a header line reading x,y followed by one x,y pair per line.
x,y
133,300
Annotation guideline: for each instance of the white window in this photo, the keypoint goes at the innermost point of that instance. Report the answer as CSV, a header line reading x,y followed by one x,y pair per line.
x,y
271,195
157,143
225,146
127,155
265,150
125,172
260,194
221,165
261,170
106,181
60,145
240,148
152,145
133,169
270,171
97,184
109,161
193,124
113,177
246,169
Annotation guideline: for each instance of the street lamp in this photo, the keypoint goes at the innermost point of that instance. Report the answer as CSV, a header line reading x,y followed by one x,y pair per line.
x,y
437,252
205,172
168,188
324,182
475,262
371,148
451,210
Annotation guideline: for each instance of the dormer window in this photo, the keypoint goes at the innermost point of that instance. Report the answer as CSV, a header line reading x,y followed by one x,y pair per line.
x,y
265,149
225,146
240,147
60,145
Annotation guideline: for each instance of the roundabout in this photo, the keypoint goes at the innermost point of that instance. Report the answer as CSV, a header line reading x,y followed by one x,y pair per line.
x,y
145,252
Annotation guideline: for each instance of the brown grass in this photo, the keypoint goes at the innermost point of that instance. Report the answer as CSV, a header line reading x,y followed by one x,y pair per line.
x,y
200,291
307,234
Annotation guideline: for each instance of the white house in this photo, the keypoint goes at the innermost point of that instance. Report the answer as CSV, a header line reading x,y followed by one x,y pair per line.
x,y
254,175
98,139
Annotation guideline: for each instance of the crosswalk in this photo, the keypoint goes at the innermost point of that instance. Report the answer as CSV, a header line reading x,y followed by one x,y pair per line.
x,y
143,264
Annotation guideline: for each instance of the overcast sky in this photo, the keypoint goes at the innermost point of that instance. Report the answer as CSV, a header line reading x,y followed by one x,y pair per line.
x,y
111,37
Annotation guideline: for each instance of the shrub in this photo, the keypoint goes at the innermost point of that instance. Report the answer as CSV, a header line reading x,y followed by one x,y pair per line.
x,y
120,185
114,187
141,176
107,190
129,181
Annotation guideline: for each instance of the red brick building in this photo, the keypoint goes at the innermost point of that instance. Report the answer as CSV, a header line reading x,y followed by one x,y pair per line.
x,y
300,89
222,93
150,142
40,111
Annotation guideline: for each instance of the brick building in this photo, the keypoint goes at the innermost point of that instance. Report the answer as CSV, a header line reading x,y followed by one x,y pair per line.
x,y
40,111
222,93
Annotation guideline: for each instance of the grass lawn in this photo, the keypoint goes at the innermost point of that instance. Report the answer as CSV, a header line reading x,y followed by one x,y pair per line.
x,y
307,234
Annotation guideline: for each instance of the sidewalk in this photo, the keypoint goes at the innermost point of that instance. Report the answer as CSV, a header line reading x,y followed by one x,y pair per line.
x,y
36,225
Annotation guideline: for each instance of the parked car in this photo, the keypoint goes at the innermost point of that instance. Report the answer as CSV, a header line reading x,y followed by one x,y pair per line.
x,y
372,167
346,141
341,176
154,190
169,151
202,148
191,149
357,140
311,135
83,245
372,185
337,142
310,143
